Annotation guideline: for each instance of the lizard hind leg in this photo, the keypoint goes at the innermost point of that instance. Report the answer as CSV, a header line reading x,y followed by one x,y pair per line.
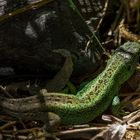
x,y
115,106
51,121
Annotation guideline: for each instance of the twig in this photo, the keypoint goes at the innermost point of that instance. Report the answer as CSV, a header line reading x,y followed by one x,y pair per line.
x,y
104,13
7,125
128,117
124,32
4,91
68,132
34,5
129,94
100,134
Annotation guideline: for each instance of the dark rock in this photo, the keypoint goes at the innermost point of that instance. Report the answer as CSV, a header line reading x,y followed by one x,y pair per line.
x,y
27,40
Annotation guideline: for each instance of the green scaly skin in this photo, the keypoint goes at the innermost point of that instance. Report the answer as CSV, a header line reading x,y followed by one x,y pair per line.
x,y
89,102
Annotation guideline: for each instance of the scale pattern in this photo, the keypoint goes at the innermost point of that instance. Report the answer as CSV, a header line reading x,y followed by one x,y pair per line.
x,y
90,101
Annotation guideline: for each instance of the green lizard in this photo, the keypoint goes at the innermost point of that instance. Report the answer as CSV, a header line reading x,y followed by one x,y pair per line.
x,y
89,102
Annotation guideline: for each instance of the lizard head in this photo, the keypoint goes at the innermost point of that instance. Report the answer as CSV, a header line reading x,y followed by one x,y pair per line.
x,y
130,53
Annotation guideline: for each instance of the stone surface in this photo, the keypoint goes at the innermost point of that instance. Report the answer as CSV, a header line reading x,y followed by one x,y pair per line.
x,y
27,40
